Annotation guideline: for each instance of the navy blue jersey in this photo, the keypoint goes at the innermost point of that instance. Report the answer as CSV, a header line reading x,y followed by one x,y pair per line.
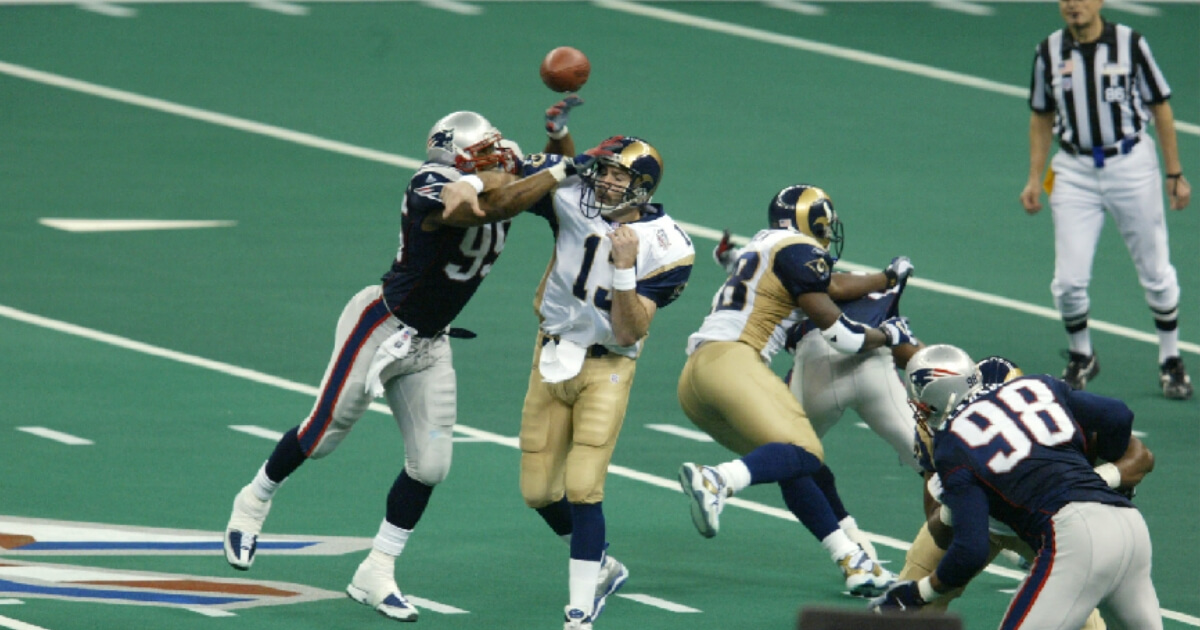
x,y
869,310
1023,444
435,273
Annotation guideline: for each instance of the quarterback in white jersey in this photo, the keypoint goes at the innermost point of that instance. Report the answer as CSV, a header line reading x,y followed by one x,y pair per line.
x,y
617,259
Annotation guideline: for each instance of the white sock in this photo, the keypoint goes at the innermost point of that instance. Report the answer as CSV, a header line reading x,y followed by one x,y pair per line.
x,y
583,577
736,475
1081,342
838,544
848,524
1168,344
262,486
391,539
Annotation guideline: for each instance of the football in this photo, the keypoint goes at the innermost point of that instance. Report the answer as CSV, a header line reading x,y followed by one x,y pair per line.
x,y
565,69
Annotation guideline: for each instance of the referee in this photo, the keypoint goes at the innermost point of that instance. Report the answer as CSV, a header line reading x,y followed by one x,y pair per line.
x,y
1095,84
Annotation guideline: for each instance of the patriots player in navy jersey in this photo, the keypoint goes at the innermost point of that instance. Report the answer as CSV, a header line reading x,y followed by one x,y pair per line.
x,y
1018,452
391,341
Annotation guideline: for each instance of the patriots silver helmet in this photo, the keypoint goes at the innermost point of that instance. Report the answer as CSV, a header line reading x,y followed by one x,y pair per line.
x,y
938,378
808,210
469,143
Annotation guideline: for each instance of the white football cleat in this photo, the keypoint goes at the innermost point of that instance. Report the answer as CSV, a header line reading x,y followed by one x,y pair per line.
x,y
576,619
375,587
245,524
612,577
864,576
706,489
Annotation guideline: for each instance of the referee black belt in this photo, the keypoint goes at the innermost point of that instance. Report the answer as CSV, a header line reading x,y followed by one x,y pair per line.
x,y
1099,153
594,351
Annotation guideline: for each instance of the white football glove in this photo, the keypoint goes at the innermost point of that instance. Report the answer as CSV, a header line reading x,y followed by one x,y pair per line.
x,y
898,271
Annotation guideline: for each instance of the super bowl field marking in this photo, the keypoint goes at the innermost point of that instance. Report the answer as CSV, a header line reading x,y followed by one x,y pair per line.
x,y
57,436
261,432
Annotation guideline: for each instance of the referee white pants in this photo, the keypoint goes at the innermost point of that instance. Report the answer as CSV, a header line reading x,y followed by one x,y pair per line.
x,y
1099,557
1129,189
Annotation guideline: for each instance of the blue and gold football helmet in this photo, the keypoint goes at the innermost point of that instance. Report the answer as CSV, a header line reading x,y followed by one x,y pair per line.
x,y
808,210
640,160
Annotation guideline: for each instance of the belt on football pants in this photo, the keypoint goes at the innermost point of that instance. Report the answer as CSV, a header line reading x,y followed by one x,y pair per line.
x,y
594,351
1099,153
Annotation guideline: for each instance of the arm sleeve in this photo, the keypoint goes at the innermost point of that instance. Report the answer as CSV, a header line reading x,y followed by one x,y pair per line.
x,y
803,268
968,553
1150,80
1041,98
1110,419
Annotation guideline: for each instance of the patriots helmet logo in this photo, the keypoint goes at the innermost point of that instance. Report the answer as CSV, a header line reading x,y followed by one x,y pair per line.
x,y
921,378
442,139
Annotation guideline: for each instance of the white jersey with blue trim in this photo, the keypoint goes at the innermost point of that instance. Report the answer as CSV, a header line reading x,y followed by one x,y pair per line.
x,y
757,303
575,296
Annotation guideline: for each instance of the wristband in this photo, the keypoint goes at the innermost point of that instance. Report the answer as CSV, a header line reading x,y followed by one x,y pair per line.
x,y
624,279
925,587
1110,474
1175,175
558,135
945,516
474,181
559,171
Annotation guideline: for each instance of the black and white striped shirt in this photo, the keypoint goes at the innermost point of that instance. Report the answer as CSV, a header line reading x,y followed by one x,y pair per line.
x,y
1098,91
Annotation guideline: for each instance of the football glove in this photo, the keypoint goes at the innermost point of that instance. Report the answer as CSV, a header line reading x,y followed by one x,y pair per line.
x,y
898,271
585,160
897,332
723,252
557,115
902,596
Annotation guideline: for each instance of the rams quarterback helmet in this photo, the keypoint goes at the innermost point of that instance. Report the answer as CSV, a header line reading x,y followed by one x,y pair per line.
x,y
469,143
808,210
938,378
640,160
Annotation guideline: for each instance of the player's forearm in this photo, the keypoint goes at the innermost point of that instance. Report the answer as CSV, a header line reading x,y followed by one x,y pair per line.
x,y
515,197
1168,142
1135,464
562,146
630,316
851,286
1041,133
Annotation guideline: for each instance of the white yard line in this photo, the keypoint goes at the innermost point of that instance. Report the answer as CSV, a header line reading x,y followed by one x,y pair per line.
x,y
57,436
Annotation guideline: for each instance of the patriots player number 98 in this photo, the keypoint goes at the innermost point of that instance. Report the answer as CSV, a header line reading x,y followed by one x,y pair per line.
x,y
1042,418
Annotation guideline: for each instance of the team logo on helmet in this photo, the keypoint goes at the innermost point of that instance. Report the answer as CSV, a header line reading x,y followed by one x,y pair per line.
x,y
925,376
442,139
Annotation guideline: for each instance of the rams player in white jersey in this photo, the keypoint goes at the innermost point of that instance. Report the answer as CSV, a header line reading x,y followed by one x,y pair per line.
x,y
828,383
728,389
618,258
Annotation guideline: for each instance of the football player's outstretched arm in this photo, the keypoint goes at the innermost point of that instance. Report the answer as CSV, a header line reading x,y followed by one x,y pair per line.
x,y
503,197
843,333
